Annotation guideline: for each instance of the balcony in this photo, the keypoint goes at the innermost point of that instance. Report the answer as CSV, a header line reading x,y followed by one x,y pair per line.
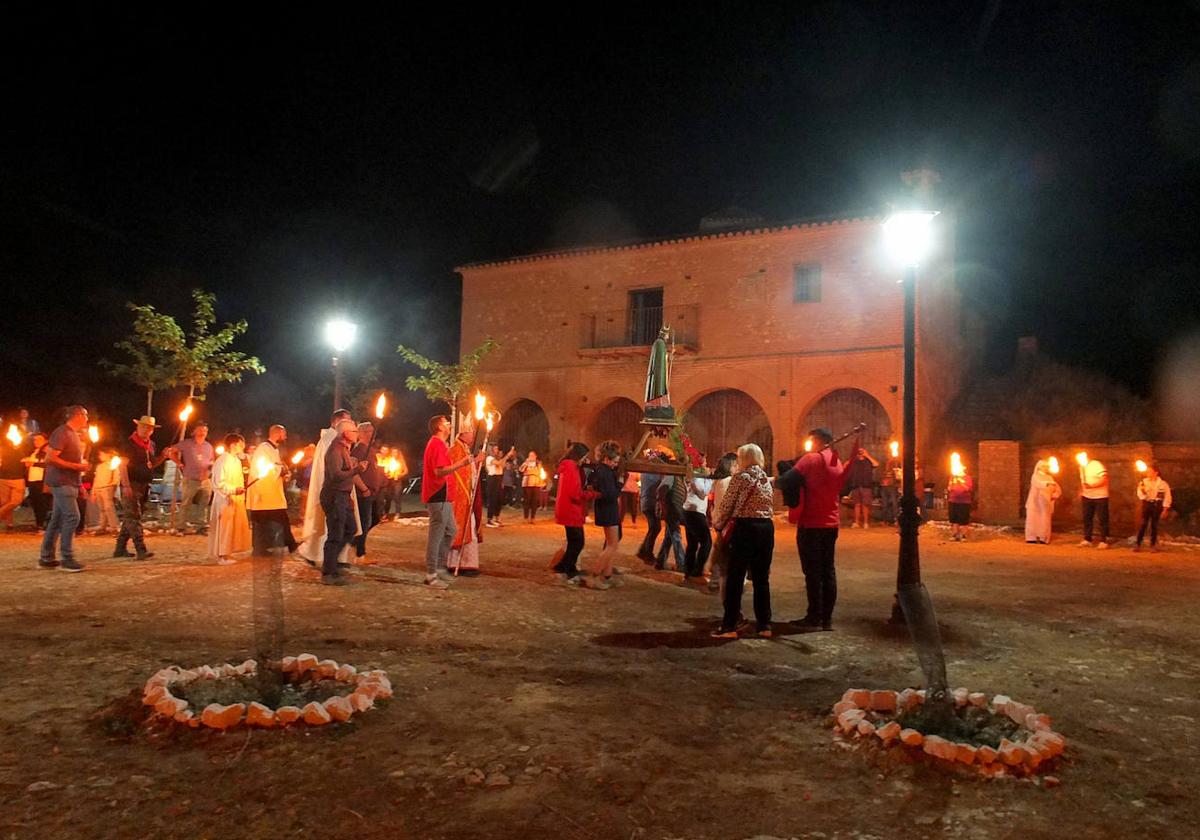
x,y
622,332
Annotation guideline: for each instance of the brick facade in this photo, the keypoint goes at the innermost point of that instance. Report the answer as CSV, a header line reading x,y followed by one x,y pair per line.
x,y
731,297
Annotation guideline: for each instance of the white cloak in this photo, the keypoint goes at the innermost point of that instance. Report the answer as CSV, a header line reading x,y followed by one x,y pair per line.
x,y
312,543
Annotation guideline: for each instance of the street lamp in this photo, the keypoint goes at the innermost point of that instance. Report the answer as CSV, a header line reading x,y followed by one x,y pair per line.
x,y
908,238
339,333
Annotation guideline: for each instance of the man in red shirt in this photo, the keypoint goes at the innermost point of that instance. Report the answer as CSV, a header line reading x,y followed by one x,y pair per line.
x,y
438,496
817,513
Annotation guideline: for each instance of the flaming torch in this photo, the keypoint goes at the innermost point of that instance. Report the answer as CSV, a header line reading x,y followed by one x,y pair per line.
x,y
1082,459
1053,464
298,457
186,414
380,406
542,474
808,444
894,448
94,434
480,402
14,435
956,465
1141,465
220,450
115,463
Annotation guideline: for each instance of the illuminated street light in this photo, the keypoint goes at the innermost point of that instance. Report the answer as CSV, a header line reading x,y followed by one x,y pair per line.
x,y
908,238
339,334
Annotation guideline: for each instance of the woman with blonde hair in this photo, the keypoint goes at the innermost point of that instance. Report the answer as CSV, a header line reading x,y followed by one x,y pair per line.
x,y
746,510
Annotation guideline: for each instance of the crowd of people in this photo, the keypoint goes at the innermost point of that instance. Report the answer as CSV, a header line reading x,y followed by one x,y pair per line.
x,y
714,527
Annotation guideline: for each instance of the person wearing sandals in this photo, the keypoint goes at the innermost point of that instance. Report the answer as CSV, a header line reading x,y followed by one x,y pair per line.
x,y
568,511
747,508
607,512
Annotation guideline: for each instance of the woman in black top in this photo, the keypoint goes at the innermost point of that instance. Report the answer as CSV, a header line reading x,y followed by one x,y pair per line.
x,y
606,511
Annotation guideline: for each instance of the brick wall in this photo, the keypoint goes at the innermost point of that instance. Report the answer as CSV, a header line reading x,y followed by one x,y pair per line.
x,y
998,482
752,336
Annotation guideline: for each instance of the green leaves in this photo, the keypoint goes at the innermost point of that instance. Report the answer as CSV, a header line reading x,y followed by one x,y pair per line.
x,y
442,381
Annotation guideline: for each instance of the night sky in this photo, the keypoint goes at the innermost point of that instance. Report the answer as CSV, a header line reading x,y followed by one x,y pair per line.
x,y
300,164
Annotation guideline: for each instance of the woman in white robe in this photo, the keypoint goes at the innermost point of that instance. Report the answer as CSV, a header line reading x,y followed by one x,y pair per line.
x,y
229,527
1039,504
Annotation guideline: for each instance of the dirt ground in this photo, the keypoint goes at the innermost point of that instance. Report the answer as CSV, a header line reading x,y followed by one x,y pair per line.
x,y
609,714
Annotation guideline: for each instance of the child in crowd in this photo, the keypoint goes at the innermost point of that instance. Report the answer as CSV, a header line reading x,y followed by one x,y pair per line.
x,y
1155,496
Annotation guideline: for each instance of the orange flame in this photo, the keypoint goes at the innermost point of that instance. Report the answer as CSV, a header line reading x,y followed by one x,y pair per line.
x,y
1082,459
115,463
956,465
808,444
263,466
220,450
380,406
94,434
542,473
894,446
298,457
186,413
480,402
14,434
1141,465
490,421
1053,464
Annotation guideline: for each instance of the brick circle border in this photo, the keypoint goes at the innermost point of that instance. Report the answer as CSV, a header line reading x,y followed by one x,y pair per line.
x,y
369,686
864,714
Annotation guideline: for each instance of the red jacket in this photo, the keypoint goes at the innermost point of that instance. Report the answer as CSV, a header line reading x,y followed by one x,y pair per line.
x,y
568,505
822,474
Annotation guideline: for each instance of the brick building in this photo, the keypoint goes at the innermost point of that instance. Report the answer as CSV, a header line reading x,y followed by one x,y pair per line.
x,y
777,330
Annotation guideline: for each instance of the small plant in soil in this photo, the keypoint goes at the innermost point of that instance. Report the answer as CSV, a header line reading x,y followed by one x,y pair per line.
x,y
247,689
972,725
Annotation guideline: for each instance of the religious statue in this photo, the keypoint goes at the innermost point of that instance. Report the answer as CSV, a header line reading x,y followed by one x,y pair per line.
x,y
658,376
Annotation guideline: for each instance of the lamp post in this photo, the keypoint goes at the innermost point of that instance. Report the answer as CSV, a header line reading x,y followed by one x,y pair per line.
x,y
908,237
339,333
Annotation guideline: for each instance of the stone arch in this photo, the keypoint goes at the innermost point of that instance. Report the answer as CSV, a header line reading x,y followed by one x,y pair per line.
x,y
525,425
841,409
618,420
722,420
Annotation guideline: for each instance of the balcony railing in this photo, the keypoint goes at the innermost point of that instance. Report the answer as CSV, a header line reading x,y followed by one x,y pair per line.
x,y
639,327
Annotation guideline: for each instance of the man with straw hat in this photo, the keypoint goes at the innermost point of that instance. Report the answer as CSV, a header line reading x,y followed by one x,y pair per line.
x,y
138,463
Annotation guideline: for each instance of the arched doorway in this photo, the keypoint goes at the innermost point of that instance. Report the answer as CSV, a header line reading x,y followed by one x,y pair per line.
x,y
526,427
840,410
722,421
618,421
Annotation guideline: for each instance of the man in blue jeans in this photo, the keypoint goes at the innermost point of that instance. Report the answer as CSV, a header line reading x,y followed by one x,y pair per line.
x,y
64,466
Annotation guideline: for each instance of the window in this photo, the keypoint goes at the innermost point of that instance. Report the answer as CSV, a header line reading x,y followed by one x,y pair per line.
x,y
806,283
645,316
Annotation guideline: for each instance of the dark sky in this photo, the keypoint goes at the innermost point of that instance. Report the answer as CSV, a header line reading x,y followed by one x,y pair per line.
x,y
298,164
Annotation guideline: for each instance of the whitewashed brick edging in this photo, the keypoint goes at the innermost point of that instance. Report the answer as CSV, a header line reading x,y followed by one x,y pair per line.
x,y
369,687
862,713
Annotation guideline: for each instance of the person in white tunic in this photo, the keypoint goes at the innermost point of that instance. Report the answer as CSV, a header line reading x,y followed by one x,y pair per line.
x,y
1039,504
312,539
229,528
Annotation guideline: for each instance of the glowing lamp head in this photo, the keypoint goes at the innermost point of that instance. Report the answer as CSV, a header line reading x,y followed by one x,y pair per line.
x,y
298,457
1141,465
957,468
1081,458
380,406
115,463
908,237
94,434
808,444
480,401
1053,464
894,448
186,413
14,435
339,334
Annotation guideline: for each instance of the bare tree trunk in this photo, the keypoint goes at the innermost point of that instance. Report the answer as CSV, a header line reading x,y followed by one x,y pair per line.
x,y
178,473
149,401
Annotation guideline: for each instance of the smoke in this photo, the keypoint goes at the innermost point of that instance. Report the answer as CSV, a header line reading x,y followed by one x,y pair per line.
x,y
1178,397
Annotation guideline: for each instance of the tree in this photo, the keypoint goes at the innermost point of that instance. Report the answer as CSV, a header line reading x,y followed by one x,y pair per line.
x,y
200,358
446,382
148,367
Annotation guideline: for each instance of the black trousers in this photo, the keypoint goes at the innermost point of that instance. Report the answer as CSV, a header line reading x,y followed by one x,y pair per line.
x,y
492,489
366,516
271,529
749,550
816,547
699,542
339,525
131,518
569,564
40,500
1151,512
1095,509
653,526
531,500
